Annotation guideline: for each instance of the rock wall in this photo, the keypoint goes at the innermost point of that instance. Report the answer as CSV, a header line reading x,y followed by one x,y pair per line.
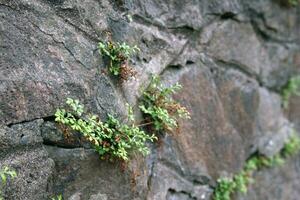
x,y
231,56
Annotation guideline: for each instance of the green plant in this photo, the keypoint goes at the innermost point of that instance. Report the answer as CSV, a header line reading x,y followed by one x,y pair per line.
x,y
292,146
225,188
160,108
242,180
293,2
118,54
6,172
291,88
58,197
108,138
257,162
239,183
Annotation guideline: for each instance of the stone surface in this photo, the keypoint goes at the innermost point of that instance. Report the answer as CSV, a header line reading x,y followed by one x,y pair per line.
x,y
236,44
25,134
293,112
34,174
55,62
22,151
59,135
276,184
204,130
231,56
82,171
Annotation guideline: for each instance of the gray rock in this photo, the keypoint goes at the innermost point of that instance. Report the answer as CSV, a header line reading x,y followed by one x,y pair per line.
x,y
169,184
58,135
99,196
76,196
232,58
274,20
25,134
237,45
22,151
293,111
275,183
55,62
82,171
273,132
174,14
34,174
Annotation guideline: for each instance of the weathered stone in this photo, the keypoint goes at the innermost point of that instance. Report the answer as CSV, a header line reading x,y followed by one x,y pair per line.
x,y
167,184
99,196
223,131
59,135
82,171
272,132
54,62
276,183
232,58
26,134
236,44
293,111
274,21
34,174
173,14
21,150
75,196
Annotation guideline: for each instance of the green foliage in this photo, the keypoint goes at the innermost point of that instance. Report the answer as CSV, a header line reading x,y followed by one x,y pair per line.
x,y
292,146
108,138
226,187
258,162
6,172
58,197
118,54
242,180
158,105
291,88
293,2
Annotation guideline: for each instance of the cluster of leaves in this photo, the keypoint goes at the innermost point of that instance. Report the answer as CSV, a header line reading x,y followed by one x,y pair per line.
x,y
160,108
226,187
291,88
110,138
58,197
293,2
6,172
118,54
259,161
291,147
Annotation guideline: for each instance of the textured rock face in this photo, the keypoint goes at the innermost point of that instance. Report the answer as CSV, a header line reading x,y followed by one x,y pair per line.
x,y
22,149
232,57
277,183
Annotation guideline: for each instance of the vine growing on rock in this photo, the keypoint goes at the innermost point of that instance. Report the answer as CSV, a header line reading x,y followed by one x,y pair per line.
x,y
160,108
111,138
5,173
115,139
291,88
227,186
118,55
293,2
